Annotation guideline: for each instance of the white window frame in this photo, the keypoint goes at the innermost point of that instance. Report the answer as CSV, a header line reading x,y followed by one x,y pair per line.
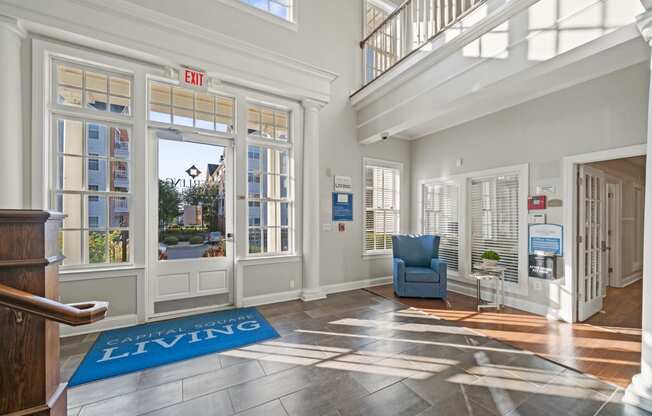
x,y
367,161
210,91
459,215
464,214
273,143
55,111
292,24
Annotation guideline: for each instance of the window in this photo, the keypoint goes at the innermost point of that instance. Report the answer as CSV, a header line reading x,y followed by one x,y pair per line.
x,y
188,108
374,16
440,217
381,205
92,89
268,123
278,8
91,163
269,183
495,220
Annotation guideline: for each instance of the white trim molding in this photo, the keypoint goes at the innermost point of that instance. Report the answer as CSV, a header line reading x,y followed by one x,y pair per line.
x,y
158,38
356,284
569,185
270,298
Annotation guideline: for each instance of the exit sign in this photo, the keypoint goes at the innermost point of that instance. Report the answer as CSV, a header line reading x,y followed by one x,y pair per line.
x,y
193,77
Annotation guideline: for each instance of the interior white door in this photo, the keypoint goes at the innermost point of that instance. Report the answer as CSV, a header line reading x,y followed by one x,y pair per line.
x,y
610,227
591,240
191,202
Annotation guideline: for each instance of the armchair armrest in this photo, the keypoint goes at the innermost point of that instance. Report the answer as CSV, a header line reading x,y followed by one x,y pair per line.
x,y
439,266
398,268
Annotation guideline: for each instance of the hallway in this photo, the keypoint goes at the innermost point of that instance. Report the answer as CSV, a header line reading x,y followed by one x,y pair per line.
x,y
607,346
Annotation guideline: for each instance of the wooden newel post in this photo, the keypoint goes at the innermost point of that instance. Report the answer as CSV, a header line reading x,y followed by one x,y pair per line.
x,y
30,313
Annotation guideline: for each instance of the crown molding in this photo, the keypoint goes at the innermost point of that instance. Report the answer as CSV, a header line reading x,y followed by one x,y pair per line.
x,y
230,59
13,25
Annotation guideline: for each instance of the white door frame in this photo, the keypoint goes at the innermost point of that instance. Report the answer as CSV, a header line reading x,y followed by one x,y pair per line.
x,y
568,311
152,231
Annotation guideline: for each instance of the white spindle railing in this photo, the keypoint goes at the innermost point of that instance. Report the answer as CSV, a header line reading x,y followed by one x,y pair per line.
x,y
408,28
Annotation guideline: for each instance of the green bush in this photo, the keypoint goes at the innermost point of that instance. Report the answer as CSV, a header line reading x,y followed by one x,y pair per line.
x,y
196,239
171,240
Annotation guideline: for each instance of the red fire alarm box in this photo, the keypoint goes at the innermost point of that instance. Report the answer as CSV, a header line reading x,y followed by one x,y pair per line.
x,y
536,202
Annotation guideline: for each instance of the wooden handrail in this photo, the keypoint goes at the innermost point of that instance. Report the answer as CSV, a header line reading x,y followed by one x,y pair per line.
x,y
385,20
74,314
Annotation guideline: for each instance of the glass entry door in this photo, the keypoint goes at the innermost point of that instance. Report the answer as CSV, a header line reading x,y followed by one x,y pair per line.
x,y
191,198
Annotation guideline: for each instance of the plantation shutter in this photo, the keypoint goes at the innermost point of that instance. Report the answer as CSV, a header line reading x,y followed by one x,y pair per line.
x,y
381,203
495,221
440,217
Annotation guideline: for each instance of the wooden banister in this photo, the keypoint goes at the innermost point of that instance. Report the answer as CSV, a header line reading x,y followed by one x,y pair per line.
x,y
73,314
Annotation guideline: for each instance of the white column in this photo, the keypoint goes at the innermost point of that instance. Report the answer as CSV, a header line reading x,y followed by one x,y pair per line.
x,y
11,120
311,289
639,393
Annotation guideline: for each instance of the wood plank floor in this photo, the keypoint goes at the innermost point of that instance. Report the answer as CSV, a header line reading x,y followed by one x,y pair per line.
x,y
607,346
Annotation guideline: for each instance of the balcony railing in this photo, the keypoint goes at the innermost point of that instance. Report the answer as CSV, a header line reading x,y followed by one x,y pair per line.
x,y
411,26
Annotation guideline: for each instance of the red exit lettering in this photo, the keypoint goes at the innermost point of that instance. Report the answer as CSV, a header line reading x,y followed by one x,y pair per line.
x,y
194,78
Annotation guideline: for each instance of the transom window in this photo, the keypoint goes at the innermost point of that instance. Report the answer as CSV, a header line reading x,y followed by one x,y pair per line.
x,y
188,108
269,184
381,205
278,8
92,89
268,123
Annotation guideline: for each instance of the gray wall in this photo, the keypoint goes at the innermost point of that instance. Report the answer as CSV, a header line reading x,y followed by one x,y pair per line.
x,y
604,113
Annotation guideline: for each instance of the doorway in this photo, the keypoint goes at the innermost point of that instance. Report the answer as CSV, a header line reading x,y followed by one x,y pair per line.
x,y
191,242
610,238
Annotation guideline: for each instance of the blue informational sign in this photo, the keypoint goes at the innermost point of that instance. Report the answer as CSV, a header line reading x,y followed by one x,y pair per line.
x,y
342,207
546,238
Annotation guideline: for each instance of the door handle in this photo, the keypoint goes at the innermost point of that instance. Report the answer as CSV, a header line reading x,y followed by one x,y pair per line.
x,y
603,246
229,237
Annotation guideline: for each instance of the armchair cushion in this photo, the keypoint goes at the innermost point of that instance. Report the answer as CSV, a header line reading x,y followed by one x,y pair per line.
x,y
421,275
415,250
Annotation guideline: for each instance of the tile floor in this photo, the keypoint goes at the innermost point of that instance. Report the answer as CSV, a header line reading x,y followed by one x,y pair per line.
x,y
353,353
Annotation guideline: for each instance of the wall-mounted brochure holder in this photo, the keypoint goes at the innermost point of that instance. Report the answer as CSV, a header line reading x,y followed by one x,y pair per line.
x,y
545,249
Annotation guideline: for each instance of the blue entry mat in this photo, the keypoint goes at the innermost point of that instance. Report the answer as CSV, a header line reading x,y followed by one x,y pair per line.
x,y
126,350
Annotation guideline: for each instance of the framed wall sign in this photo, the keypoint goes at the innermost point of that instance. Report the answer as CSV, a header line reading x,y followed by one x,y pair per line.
x,y
342,206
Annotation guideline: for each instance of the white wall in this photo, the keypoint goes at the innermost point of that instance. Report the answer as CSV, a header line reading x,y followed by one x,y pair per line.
x,y
326,39
604,113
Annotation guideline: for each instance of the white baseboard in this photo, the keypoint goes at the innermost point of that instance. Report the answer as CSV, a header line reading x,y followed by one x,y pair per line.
x,y
510,300
632,278
357,284
271,298
112,322
130,320
326,290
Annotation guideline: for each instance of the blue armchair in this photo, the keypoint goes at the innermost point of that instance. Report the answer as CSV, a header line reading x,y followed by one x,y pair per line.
x,y
417,270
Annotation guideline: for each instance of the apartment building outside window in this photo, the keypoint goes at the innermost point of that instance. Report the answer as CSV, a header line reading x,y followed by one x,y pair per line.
x,y
381,205
269,181
91,160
